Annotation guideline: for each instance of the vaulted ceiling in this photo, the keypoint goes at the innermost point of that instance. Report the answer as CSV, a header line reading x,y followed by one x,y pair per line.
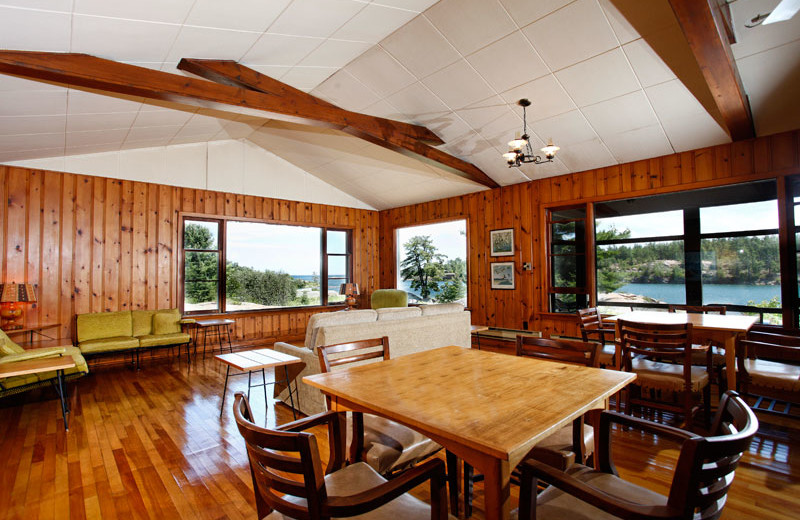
x,y
610,82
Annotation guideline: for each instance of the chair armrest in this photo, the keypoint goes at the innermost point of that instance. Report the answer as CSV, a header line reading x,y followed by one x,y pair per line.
x,y
187,321
433,470
309,422
533,470
33,354
336,439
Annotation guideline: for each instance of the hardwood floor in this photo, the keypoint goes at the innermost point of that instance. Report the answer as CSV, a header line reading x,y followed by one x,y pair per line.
x,y
150,444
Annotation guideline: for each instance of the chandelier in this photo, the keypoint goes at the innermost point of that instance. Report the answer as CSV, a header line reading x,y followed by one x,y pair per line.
x,y
520,151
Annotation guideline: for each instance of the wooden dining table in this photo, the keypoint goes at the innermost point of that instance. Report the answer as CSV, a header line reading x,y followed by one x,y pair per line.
x,y
720,328
487,408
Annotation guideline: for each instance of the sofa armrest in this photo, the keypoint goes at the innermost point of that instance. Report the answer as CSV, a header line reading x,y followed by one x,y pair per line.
x,y
33,354
309,400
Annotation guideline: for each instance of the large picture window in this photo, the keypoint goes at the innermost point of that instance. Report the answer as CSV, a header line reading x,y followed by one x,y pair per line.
x,y
232,265
431,265
711,246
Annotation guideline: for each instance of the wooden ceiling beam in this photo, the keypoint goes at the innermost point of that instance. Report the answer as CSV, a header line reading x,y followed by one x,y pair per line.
x,y
704,27
83,70
229,72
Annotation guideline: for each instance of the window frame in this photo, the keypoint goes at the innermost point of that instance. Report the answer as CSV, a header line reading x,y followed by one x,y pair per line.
x,y
584,262
222,262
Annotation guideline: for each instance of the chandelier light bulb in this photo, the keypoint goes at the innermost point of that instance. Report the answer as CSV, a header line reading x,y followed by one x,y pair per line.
x,y
520,151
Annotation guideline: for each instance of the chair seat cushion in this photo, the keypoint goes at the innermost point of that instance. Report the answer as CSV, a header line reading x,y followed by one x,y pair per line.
x,y
555,504
108,344
160,340
359,477
771,374
562,440
390,446
605,356
655,374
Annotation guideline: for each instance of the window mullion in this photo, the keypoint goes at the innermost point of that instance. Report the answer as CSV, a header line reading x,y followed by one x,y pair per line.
x,y
693,268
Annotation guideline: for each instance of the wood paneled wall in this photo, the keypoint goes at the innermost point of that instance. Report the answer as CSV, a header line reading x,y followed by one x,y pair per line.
x,y
94,244
522,207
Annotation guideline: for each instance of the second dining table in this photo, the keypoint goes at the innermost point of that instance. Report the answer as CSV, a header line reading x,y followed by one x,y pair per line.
x,y
489,409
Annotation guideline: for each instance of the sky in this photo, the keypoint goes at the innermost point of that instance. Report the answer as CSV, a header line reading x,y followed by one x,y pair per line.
x,y
737,217
290,249
446,236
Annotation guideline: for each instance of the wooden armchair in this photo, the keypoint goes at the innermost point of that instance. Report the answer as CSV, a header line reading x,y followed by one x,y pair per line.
x,y
703,474
661,357
716,350
385,445
768,368
593,329
289,482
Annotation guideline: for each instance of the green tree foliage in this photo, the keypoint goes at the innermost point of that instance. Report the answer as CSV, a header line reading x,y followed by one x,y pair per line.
x,y
200,267
245,284
423,265
455,280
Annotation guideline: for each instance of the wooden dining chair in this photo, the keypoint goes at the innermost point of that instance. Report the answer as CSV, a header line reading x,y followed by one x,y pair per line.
x,y
570,443
289,482
661,357
703,473
717,351
385,445
594,329
768,369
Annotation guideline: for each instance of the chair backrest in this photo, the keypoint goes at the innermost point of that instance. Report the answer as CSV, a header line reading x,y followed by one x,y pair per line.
x,y
562,350
770,345
277,456
669,342
699,309
705,467
591,324
364,349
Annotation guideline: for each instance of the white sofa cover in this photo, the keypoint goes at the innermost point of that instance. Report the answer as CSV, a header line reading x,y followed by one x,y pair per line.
x,y
410,329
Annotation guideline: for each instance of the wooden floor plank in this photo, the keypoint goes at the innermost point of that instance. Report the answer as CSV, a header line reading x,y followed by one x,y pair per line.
x,y
151,444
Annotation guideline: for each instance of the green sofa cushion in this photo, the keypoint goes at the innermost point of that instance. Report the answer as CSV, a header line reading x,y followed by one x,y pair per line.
x,y
79,368
162,340
100,325
7,346
167,322
108,344
382,298
34,353
142,322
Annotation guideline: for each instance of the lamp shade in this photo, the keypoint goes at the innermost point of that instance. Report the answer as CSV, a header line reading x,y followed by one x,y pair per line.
x,y
349,289
17,292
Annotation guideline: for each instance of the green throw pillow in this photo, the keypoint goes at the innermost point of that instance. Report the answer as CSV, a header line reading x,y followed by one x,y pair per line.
x,y
166,323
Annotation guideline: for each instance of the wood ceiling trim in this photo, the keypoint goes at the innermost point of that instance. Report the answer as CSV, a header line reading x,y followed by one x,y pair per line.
x,y
83,70
704,27
229,72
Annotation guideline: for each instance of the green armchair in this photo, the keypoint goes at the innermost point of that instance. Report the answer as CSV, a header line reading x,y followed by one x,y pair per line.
x,y
10,352
389,298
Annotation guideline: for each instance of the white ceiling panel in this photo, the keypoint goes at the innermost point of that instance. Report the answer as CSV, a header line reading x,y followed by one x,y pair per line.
x,y
458,85
24,29
373,23
470,24
172,11
97,137
314,18
479,114
420,47
110,121
280,49
586,155
548,98
621,114
647,66
11,143
149,133
491,62
640,143
34,103
122,40
525,12
565,129
379,71
212,44
418,99
11,125
80,102
572,34
346,91
623,29
334,53
307,78
602,77
239,15
46,5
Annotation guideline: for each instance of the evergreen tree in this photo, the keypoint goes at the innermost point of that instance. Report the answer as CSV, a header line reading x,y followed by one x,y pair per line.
x,y
423,265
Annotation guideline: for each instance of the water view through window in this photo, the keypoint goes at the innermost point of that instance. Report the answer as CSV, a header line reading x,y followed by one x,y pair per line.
x,y
431,263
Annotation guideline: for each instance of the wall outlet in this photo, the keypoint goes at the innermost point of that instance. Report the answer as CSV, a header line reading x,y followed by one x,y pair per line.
x,y
526,266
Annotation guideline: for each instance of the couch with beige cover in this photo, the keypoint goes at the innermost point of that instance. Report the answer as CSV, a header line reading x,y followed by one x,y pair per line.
x,y
410,329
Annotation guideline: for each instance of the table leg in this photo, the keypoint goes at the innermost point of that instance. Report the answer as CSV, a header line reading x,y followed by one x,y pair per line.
x,y
230,345
289,386
730,360
224,388
496,489
478,339
249,378
264,386
452,480
205,329
62,395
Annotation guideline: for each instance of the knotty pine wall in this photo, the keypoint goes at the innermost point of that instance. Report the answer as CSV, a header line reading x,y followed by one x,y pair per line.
x,y
522,207
94,244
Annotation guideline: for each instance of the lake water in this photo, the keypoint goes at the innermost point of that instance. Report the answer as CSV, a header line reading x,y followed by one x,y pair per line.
x,y
730,294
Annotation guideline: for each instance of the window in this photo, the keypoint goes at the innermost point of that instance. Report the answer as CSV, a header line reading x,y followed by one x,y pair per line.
x,y
567,288
266,266
431,263
711,246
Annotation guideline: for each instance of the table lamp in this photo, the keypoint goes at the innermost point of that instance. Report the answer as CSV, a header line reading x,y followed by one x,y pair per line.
x,y
350,290
11,312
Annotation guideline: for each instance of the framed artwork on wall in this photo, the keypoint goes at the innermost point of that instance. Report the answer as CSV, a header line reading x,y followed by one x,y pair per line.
x,y
502,242
502,275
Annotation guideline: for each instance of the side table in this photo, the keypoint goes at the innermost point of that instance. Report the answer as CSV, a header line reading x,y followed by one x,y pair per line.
x,y
34,330
254,360
37,366
476,331
215,327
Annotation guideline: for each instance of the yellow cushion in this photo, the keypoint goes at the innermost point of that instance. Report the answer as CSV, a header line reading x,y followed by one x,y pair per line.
x,y
108,344
161,340
654,374
7,346
167,322
142,322
100,325
34,353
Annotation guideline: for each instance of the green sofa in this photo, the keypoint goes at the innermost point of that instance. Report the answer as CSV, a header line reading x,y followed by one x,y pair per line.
x,y
10,352
131,331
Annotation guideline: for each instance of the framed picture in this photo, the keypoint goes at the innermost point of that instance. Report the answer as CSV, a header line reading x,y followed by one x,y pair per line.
x,y
502,242
502,275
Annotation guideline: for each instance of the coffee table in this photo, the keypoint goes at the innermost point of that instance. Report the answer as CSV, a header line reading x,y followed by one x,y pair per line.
x,y
488,409
250,361
37,366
